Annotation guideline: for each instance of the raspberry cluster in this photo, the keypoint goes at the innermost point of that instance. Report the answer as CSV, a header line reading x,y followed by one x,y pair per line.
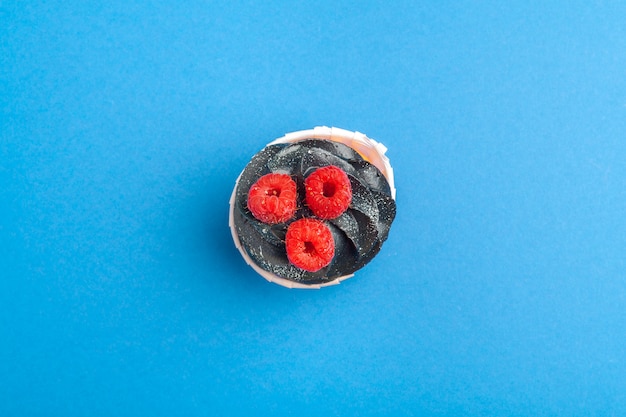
x,y
309,242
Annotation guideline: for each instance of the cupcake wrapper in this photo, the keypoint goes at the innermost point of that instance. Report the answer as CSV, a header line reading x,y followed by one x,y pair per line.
x,y
369,149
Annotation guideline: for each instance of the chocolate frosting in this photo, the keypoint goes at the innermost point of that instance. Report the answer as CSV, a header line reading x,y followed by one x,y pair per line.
x,y
358,233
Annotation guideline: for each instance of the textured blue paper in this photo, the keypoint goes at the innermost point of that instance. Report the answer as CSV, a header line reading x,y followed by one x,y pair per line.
x,y
502,287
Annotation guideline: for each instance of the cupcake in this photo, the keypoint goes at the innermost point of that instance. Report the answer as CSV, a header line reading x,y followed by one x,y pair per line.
x,y
313,207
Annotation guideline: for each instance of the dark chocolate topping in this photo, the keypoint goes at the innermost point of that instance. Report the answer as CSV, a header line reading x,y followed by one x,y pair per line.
x,y
358,233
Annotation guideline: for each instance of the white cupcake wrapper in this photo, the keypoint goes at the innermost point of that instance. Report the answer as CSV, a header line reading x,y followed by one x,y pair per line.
x,y
369,149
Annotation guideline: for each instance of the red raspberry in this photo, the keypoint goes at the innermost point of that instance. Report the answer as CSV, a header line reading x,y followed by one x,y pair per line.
x,y
272,199
310,245
328,192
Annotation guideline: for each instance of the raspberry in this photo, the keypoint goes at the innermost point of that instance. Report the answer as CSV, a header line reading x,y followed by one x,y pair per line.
x,y
272,199
310,245
328,192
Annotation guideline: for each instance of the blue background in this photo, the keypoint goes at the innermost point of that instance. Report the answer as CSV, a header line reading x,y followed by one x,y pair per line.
x,y
501,289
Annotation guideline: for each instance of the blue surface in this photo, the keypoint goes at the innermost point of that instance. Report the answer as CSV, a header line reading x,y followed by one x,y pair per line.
x,y
502,287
